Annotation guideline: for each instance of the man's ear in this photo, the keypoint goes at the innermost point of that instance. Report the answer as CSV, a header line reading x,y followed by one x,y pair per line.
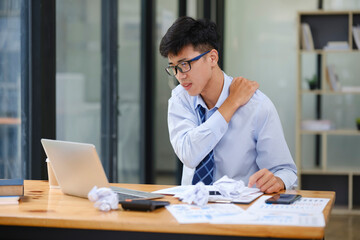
x,y
214,57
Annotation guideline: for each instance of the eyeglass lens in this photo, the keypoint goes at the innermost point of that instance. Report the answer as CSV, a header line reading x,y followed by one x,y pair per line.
x,y
182,67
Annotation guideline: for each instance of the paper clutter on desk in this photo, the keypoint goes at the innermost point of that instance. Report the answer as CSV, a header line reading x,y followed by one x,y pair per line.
x,y
105,199
229,188
197,194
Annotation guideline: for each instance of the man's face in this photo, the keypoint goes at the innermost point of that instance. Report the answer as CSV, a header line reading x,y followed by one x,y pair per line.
x,y
196,80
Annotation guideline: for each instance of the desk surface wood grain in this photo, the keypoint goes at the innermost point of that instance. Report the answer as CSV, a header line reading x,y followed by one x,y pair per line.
x,y
44,207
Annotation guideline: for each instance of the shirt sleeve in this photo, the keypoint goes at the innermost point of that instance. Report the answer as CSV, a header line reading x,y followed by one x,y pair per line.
x,y
273,152
190,139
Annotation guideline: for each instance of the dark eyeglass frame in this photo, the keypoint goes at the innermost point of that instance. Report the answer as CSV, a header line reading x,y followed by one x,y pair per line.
x,y
171,72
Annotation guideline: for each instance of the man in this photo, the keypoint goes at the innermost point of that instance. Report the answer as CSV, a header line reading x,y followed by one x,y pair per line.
x,y
218,125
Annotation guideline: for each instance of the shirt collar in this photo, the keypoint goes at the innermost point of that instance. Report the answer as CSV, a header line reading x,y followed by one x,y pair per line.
x,y
223,95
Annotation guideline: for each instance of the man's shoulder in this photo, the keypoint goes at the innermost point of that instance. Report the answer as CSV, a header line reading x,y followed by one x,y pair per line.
x,y
179,93
259,98
259,103
178,90
180,97
262,104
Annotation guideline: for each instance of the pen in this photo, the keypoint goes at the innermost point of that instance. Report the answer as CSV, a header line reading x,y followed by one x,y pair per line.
x,y
214,193
221,201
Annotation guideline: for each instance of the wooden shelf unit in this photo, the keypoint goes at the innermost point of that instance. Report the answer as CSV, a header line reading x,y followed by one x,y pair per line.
x,y
345,181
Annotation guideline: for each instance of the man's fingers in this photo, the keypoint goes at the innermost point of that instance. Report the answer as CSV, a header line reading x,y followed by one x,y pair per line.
x,y
273,189
269,184
277,186
265,178
254,178
266,181
241,90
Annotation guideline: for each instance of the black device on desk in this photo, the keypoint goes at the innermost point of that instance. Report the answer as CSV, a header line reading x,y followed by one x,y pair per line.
x,y
142,205
283,198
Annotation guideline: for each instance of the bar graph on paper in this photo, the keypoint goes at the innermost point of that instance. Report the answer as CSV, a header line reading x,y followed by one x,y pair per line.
x,y
308,205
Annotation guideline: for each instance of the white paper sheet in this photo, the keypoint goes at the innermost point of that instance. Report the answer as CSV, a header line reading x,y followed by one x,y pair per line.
x,y
232,214
172,190
304,212
273,218
185,213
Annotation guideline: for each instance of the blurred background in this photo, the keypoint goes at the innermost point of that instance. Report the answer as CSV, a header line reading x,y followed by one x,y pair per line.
x,y
90,71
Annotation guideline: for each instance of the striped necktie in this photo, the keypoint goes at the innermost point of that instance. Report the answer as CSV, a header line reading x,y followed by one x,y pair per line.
x,y
205,170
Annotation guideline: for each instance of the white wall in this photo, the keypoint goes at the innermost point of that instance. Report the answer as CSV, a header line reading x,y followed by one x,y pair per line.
x,y
260,44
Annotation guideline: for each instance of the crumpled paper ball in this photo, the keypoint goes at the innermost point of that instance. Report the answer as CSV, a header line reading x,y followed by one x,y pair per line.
x,y
229,188
105,199
197,194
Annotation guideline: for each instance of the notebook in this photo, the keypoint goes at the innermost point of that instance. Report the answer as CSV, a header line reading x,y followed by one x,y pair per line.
x,y
78,169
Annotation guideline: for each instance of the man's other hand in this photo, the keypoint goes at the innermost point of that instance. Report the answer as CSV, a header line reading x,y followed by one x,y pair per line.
x,y
266,181
241,90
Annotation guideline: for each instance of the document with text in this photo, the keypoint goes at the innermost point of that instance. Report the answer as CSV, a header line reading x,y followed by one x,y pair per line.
x,y
185,213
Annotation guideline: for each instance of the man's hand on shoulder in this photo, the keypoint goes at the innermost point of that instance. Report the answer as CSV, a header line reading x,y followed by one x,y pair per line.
x,y
266,181
240,92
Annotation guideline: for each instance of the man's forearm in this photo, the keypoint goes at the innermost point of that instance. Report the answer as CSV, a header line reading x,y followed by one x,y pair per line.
x,y
227,109
240,92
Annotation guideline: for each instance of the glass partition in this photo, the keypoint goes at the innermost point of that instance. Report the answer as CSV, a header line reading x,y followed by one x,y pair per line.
x,y
129,23
78,71
10,90
165,158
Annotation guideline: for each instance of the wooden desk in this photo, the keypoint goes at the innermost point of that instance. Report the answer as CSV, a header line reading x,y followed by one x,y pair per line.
x,y
52,215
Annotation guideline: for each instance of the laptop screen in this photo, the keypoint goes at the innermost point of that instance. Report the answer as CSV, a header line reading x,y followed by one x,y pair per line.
x,y
76,166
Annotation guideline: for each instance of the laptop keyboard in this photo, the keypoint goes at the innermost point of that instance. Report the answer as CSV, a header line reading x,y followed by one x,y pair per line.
x,y
124,196
124,193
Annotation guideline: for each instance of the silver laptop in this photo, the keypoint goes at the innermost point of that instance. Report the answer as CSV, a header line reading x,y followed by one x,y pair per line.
x,y
78,169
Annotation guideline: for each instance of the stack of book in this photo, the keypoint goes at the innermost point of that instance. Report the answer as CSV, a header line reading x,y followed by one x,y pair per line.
x,y
337,45
11,190
356,34
350,89
316,125
307,41
332,78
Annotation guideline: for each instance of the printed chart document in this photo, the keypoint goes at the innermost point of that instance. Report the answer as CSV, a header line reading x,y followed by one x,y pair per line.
x,y
185,213
273,218
304,212
247,196
303,205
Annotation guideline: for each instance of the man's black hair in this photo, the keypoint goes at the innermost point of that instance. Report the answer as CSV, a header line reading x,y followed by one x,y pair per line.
x,y
201,34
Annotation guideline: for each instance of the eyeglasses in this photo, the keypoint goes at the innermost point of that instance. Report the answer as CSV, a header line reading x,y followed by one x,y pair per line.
x,y
183,66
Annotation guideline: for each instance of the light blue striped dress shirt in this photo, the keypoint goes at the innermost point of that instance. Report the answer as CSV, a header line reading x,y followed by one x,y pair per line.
x,y
252,140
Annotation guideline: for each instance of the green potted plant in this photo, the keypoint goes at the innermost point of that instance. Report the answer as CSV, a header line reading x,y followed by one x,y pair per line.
x,y
358,123
312,82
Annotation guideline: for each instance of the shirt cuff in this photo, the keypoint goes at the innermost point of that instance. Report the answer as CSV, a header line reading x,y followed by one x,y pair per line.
x,y
289,179
217,124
